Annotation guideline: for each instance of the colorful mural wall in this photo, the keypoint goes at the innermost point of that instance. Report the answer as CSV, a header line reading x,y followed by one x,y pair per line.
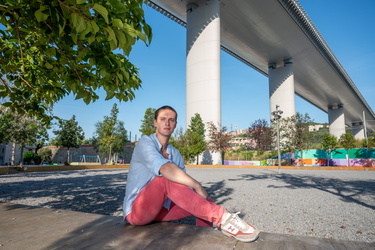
x,y
358,157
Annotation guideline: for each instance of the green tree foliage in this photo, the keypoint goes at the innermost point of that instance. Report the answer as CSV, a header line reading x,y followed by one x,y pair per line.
x,y
294,133
50,49
196,136
110,135
179,140
88,141
30,157
367,143
41,137
147,126
320,133
6,119
218,139
329,144
45,154
347,141
371,140
20,130
191,143
69,135
261,133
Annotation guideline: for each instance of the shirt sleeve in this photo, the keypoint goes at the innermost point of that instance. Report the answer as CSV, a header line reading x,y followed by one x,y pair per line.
x,y
177,159
148,154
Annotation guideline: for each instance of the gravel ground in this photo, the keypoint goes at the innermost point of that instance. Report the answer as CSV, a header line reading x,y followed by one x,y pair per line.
x,y
320,203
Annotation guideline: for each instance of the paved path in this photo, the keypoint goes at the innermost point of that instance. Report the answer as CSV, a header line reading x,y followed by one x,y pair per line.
x,y
26,227
327,204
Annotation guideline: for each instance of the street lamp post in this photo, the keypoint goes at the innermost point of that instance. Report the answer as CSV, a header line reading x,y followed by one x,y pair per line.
x,y
276,116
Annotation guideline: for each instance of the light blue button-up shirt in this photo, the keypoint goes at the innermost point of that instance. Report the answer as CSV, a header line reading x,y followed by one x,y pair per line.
x,y
145,164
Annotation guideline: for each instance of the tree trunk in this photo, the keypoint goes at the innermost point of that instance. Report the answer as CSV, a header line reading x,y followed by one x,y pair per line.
x,y
37,148
110,155
21,161
302,161
12,161
68,155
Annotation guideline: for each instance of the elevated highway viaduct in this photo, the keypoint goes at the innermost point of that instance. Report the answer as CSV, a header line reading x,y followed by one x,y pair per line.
x,y
277,39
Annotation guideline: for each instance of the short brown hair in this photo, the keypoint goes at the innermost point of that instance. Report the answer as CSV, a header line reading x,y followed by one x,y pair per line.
x,y
164,107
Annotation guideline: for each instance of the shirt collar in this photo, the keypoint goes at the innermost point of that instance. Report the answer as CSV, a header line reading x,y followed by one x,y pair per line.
x,y
155,139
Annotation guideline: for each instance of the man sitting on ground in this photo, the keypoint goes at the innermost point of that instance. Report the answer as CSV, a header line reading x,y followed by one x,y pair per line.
x,y
159,189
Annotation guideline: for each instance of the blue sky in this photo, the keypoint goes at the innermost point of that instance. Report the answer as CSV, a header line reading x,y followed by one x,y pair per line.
x,y
346,26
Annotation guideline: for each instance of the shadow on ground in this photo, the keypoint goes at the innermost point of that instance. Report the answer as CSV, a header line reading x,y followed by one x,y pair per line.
x,y
101,193
75,230
347,190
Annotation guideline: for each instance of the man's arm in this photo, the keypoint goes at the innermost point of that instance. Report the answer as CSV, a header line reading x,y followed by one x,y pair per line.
x,y
173,173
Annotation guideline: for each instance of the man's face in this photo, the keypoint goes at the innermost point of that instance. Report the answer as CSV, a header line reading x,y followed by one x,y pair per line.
x,y
166,122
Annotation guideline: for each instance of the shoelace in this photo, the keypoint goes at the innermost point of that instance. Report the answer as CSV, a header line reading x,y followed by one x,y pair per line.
x,y
238,221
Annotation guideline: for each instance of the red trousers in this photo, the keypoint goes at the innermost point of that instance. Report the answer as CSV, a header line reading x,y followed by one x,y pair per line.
x,y
148,206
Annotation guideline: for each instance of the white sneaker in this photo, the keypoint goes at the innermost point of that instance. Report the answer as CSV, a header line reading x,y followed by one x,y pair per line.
x,y
235,227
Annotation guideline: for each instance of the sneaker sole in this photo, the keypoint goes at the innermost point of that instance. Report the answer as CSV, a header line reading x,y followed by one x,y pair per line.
x,y
255,234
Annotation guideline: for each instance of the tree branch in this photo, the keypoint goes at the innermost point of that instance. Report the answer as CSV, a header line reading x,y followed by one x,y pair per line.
x,y
27,83
19,42
5,84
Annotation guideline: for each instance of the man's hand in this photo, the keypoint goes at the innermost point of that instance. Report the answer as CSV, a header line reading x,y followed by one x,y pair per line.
x,y
173,173
201,191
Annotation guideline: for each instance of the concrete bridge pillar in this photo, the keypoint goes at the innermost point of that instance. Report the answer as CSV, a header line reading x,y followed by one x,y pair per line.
x,y
203,66
358,130
281,87
336,119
